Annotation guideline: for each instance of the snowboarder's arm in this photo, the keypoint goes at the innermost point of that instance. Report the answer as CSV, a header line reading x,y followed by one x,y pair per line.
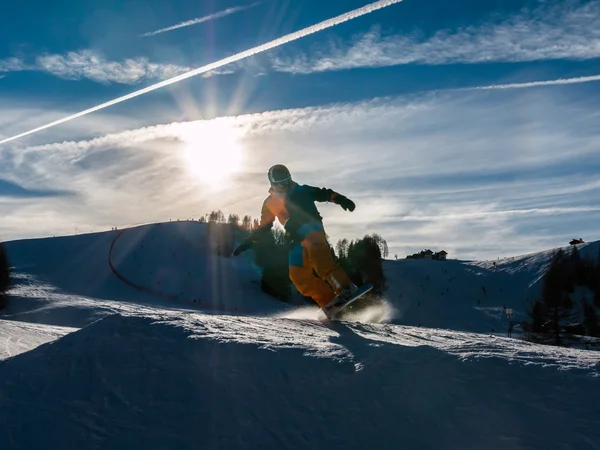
x,y
266,224
329,195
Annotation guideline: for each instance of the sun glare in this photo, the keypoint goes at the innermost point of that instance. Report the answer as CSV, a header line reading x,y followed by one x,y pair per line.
x,y
212,152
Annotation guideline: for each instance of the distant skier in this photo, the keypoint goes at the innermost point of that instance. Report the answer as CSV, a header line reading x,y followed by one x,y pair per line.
x,y
294,205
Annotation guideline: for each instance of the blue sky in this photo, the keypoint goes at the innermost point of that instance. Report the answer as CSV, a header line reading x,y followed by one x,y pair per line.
x,y
467,126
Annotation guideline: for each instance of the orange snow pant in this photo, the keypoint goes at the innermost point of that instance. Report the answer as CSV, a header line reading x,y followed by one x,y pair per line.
x,y
313,252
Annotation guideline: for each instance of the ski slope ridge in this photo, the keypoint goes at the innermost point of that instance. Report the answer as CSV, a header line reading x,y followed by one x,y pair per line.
x,y
178,259
469,295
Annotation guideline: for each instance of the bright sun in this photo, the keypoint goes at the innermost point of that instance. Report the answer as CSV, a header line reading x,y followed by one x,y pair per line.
x,y
212,152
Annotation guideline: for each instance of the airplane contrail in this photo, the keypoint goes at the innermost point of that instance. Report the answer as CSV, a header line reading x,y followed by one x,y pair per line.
x,y
242,55
556,82
213,16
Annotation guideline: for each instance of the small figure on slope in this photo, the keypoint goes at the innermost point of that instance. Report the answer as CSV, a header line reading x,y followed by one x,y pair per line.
x,y
294,206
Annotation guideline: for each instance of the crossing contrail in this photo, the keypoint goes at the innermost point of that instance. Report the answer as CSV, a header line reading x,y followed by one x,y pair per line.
x,y
237,57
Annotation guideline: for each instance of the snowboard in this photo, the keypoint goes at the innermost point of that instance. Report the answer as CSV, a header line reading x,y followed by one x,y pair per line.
x,y
335,311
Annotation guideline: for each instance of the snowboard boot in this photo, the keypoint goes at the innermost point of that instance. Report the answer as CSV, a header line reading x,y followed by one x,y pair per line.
x,y
340,300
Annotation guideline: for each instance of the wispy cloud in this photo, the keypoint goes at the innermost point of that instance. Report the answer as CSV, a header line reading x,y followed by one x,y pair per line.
x,y
12,65
485,214
14,190
566,30
217,15
87,64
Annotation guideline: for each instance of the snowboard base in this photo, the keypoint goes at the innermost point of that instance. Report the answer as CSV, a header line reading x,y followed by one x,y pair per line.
x,y
336,312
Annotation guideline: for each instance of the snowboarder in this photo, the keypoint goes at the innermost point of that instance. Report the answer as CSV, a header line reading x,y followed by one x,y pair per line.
x,y
294,206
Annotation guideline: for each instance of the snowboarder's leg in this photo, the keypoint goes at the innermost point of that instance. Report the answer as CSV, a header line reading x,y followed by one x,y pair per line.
x,y
301,274
322,261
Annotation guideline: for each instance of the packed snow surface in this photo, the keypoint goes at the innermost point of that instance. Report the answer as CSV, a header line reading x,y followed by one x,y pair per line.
x,y
201,358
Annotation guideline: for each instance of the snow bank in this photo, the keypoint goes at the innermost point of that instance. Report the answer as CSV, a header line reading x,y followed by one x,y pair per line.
x,y
197,381
175,260
18,337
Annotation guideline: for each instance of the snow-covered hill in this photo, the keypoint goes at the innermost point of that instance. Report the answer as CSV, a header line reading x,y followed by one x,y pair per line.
x,y
469,295
199,357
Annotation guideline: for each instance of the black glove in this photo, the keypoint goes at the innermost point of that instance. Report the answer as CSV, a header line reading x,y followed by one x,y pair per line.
x,y
345,203
242,248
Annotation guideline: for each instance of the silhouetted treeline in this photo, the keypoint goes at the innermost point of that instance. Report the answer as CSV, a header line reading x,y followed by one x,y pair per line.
x,y
4,277
361,258
558,314
247,223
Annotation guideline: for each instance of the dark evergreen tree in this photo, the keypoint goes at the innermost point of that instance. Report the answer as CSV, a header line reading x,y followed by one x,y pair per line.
x,y
591,319
5,277
594,280
247,223
234,220
577,269
555,296
537,317
363,263
216,217
382,244
342,249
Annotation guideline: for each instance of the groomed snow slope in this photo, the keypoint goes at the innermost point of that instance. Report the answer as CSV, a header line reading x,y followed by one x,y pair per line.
x,y
177,381
469,295
174,260
17,337
112,367
177,260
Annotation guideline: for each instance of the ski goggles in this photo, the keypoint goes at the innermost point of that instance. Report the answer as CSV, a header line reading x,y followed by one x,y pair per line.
x,y
281,185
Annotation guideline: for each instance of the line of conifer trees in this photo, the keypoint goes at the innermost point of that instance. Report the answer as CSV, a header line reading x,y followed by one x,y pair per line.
x,y
4,277
558,315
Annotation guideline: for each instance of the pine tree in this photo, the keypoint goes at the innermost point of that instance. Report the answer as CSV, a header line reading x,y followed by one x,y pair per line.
x,y
591,319
577,267
342,249
537,315
5,277
381,243
594,280
247,223
234,220
363,263
557,303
